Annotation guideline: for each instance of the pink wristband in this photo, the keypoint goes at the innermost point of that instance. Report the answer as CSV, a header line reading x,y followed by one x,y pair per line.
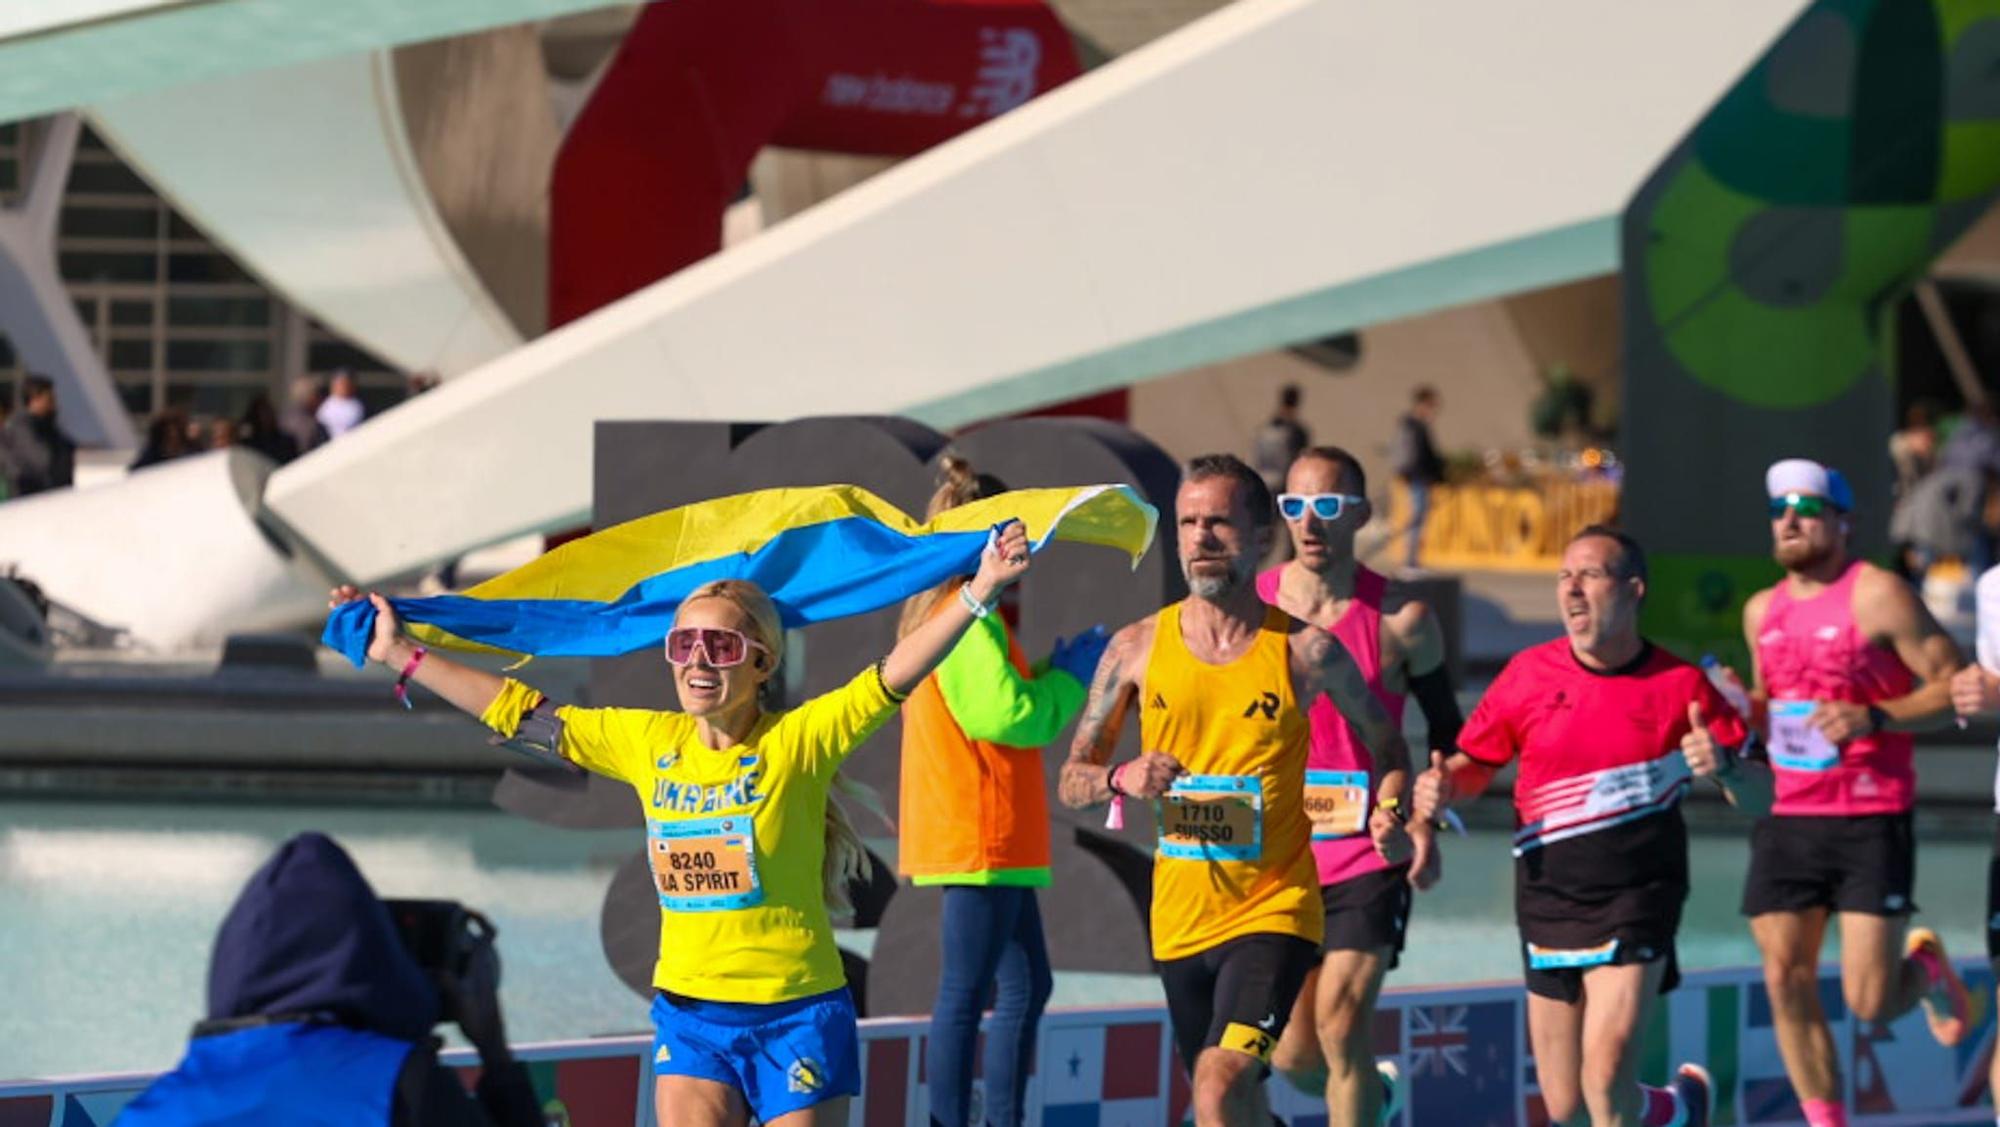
x,y
402,689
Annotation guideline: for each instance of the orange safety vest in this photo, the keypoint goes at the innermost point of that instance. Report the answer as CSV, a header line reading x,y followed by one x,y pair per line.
x,y
971,812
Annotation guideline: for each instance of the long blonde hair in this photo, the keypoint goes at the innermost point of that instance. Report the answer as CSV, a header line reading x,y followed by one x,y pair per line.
x,y
847,860
958,484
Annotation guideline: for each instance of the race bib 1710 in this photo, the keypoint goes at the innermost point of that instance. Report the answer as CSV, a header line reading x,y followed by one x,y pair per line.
x,y
1213,818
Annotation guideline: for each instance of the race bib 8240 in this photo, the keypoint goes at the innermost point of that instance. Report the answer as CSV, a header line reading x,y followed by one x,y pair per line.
x,y
704,864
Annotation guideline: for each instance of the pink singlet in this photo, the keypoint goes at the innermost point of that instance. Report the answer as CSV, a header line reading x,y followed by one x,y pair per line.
x,y
1340,774
1809,650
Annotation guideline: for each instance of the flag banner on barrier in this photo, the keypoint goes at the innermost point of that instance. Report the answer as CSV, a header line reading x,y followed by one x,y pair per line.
x,y
1464,1049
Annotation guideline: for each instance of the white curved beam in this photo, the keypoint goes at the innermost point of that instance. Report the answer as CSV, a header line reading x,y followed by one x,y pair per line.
x,y
36,314
206,568
305,176
60,54
1278,171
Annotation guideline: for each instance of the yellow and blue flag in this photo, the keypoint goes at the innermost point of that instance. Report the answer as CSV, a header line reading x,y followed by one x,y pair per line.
x,y
821,553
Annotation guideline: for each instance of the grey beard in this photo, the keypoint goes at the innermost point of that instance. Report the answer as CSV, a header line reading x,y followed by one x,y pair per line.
x,y
1212,587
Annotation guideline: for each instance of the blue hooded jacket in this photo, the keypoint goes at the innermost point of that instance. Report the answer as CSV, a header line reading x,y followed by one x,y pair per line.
x,y
334,1004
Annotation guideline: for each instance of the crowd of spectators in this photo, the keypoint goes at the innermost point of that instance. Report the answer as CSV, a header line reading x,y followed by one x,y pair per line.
x,y
37,454
1947,482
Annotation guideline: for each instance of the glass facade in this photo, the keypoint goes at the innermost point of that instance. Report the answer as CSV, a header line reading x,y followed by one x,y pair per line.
x,y
177,321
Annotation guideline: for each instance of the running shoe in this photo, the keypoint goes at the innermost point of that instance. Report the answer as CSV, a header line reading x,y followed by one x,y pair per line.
x,y
1394,1089
1696,1093
1946,1005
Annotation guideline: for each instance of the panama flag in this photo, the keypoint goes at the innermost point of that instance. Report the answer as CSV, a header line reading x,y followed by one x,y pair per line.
x,y
1464,1061
1099,1075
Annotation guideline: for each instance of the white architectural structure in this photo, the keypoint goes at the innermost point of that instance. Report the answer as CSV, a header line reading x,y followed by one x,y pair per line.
x,y
62,54
306,176
36,314
1242,183
1279,171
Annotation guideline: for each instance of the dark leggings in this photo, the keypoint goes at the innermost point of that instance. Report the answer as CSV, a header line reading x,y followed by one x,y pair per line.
x,y
992,943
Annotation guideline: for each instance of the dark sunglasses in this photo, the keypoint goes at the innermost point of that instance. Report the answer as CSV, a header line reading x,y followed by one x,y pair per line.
x,y
723,647
1804,504
1325,506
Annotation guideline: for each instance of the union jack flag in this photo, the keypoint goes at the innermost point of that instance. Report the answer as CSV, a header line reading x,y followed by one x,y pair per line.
x,y
1465,1063
1437,1040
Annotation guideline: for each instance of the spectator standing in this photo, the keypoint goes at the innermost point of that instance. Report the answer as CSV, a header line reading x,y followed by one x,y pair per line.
x,y
42,456
1913,450
260,431
300,417
1279,442
342,411
218,434
1419,464
166,438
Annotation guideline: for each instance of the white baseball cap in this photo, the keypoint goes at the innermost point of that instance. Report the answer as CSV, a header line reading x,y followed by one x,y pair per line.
x,y
1803,475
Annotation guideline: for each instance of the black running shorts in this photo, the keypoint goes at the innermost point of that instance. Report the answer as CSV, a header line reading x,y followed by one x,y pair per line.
x,y
1866,863
1368,913
1236,995
1609,898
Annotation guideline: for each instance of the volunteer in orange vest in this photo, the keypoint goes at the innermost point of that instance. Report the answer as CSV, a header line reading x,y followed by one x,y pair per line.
x,y
975,821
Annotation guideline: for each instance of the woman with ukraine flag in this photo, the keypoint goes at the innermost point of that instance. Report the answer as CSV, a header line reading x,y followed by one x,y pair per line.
x,y
752,1015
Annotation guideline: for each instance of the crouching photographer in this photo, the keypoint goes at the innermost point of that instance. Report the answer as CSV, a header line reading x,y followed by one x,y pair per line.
x,y
321,1002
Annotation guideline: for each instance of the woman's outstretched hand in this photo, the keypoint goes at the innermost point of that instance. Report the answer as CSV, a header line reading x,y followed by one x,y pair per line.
x,y
388,628
1005,561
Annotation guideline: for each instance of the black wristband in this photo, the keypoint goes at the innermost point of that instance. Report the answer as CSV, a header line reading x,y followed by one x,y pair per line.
x,y
1878,720
1111,781
882,679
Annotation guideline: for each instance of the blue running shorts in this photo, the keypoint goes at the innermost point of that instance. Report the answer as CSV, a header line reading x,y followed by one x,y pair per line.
x,y
783,1056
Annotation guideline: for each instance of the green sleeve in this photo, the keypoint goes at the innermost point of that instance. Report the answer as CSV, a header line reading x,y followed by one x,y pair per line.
x,y
992,701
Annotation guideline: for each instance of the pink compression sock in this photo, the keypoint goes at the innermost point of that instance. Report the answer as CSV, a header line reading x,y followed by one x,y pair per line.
x,y
1824,1113
1660,1107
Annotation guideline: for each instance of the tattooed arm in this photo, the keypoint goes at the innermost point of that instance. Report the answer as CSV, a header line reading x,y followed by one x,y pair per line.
x,y
1322,665
1086,775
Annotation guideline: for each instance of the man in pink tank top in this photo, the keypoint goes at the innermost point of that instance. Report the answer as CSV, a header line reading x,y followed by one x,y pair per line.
x,y
1327,1045
1847,663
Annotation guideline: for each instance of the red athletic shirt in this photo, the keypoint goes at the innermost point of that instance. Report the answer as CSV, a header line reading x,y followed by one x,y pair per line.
x,y
1596,749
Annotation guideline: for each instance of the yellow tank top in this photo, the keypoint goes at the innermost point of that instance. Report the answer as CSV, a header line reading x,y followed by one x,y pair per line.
x,y
1235,854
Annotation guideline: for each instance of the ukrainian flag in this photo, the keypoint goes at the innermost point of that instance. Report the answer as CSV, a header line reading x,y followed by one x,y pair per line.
x,y
821,553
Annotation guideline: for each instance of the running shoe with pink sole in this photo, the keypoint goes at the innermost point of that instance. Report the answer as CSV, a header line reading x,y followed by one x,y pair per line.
x,y
1697,1095
1946,1005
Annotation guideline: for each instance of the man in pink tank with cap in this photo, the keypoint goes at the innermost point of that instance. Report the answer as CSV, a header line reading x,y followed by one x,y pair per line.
x,y
1327,1045
1847,664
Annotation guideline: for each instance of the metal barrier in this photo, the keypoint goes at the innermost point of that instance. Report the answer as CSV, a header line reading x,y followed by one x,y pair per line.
x,y
1464,1049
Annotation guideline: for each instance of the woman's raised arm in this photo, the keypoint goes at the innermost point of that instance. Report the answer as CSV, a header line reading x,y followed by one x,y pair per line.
x,y
920,651
467,689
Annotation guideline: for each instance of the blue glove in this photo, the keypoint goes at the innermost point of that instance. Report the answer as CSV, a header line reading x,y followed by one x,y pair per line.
x,y
1078,656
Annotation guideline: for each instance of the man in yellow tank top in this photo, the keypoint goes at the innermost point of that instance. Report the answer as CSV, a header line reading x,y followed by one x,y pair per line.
x,y
1220,681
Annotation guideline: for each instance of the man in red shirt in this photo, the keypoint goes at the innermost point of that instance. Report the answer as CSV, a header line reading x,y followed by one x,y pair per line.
x,y
1610,731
